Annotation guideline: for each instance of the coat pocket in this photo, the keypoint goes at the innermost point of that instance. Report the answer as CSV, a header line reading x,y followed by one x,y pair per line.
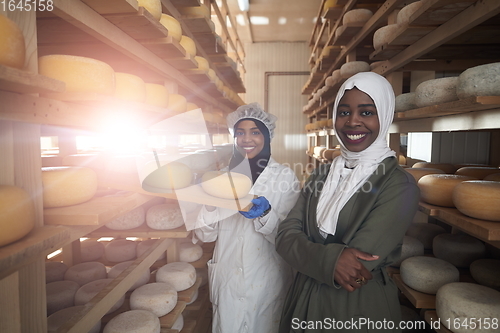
x,y
213,284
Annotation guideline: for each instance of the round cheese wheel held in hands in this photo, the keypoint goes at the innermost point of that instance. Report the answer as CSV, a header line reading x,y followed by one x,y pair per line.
x,y
134,321
158,297
66,186
181,275
479,199
437,189
218,184
12,46
164,217
17,214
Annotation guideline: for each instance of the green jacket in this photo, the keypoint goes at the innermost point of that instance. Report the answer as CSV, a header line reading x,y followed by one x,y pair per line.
x,y
374,220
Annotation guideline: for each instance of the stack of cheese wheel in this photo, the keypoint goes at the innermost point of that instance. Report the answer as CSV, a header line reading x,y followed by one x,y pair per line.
x,y
479,199
191,106
203,64
91,250
177,103
407,11
437,189
356,16
54,271
189,252
427,274
17,214
171,175
437,91
353,67
194,11
411,247
120,267
486,272
157,95
60,295
483,80
405,102
160,298
86,292
66,186
181,275
164,217
130,88
462,302
446,167
12,46
459,249
86,272
132,219
494,177
134,321
330,154
188,45
418,173
477,172
425,233
318,150
81,75
61,317
152,6
172,25
119,250
384,35
218,184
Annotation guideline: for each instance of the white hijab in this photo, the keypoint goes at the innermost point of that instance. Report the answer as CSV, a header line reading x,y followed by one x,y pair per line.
x,y
350,170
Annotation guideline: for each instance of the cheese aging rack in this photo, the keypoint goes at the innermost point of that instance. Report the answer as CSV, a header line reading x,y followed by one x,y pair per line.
x,y
124,35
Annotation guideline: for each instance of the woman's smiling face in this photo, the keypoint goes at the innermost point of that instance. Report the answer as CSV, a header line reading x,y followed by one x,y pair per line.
x,y
249,139
357,121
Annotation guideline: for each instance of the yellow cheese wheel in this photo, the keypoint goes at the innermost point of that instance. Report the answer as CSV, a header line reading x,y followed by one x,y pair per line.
x,y
12,47
195,11
329,3
477,172
191,106
172,25
479,199
177,103
202,63
446,167
218,184
188,45
157,95
330,154
17,214
402,160
152,6
211,74
130,88
493,177
418,173
79,73
437,189
172,175
66,186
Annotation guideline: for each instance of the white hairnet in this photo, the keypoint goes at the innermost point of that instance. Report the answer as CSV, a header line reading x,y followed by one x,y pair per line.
x,y
252,111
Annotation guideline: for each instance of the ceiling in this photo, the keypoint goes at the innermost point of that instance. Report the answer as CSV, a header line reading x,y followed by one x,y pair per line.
x,y
288,20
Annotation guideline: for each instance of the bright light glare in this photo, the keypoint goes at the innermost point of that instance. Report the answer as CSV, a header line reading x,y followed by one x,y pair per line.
x,y
122,137
53,254
240,19
282,21
259,20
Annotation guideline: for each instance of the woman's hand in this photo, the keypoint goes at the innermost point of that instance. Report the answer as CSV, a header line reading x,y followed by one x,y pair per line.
x,y
350,273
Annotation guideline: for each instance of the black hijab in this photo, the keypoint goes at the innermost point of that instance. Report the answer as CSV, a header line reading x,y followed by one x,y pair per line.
x,y
260,161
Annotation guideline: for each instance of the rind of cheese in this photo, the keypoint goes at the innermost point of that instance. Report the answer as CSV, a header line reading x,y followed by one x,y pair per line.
x,y
458,249
425,232
12,46
495,177
86,292
201,10
437,189
54,271
477,172
17,214
130,87
134,321
66,186
181,275
86,272
330,154
460,302
119,250
437,91
60,295
407,11
188,45
177,103
329,3
91,250
486,272
152,6
157,95
411,247
81,75
218,184
179,323
479,199
172,25
61,317
405,102
427,274
132,219
173,175
164,217
189,252
202,63
359,15
353,67
483,80
158,297
418,173
446,167
119,268
191,106
384,35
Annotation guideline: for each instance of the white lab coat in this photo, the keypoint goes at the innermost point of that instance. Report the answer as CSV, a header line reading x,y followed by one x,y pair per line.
x,y
248,280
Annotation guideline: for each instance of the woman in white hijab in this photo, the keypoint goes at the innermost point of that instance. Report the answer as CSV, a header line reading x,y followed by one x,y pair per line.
x,y
349,221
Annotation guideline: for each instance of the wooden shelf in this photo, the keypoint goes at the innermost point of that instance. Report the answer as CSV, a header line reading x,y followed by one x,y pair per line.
x,y
428,209
188,294
198,24
142,231
348,32
418,299
25,82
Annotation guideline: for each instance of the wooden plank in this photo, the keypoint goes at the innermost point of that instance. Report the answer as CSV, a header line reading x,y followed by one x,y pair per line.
x,y
139,25
10,315
347,33
169,319
188,294
142,231
428,209
418,299
437,12
113,6
185,3
96,211
25,82
165,48
199,24
486,230
26,250
211,43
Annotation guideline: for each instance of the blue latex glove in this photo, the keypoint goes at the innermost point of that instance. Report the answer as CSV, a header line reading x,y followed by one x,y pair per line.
x,y
260,205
